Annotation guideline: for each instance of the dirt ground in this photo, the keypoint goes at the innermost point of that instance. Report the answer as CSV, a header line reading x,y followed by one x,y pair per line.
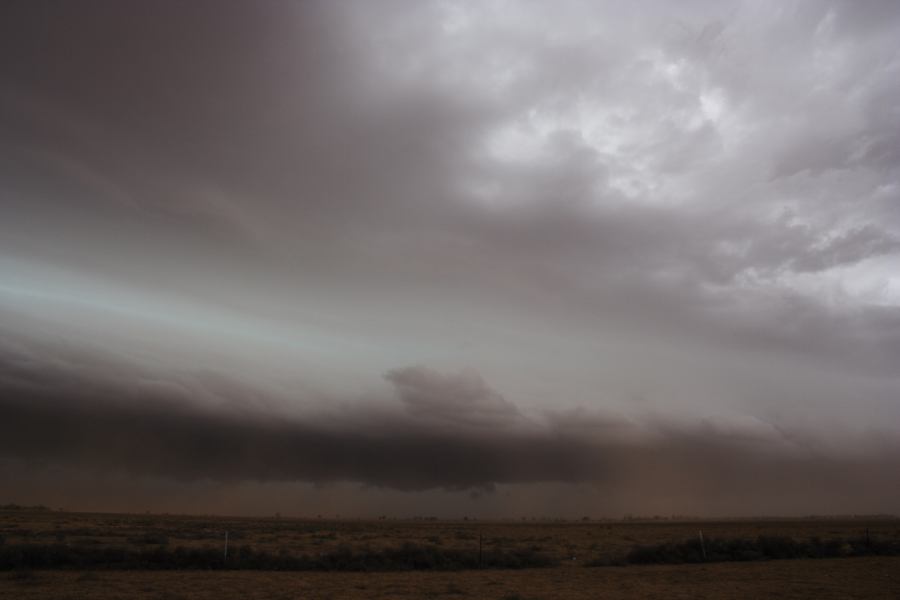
x,y
870,578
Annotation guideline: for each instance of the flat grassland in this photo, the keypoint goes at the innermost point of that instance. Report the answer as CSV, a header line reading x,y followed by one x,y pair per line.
x,y
571,544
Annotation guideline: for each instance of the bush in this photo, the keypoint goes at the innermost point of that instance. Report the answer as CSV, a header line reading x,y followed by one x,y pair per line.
x,y
761,548
147,539
407,557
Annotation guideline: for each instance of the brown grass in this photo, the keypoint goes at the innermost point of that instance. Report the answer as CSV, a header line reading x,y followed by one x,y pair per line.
x,y
573,543
870,578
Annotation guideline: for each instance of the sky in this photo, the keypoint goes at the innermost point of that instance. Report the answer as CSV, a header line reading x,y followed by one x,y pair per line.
x,y
444,258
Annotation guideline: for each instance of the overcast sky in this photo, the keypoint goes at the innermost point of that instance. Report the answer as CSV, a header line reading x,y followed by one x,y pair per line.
x,y
486,258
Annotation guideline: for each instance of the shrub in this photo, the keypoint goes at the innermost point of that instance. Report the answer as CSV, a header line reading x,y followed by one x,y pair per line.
x,y
147,539
407,557
760,548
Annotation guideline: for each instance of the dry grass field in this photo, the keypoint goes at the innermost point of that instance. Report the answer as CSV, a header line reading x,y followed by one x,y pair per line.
x,y
863,578
571,543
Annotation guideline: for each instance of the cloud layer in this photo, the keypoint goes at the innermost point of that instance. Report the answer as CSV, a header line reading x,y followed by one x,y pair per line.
x,y
444,432
438,244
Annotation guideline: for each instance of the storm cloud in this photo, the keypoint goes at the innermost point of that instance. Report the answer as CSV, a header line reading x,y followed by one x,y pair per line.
x,y
442,432
449,245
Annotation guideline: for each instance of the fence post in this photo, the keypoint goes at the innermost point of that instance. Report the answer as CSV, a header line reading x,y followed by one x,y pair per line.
x,y
702,545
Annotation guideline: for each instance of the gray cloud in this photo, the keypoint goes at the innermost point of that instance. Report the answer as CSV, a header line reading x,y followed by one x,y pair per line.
x,y
695,204
463,399
81,412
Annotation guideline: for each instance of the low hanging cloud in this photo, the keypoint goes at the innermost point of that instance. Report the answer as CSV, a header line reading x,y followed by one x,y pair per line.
x,y
440,431
430,245
462,399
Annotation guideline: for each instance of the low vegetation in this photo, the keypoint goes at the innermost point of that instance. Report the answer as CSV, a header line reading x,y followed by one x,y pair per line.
x,y
43,540
410,557
759,548
406,557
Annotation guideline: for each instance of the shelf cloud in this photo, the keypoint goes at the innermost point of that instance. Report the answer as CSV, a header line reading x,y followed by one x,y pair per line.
x,y
441,247
447,432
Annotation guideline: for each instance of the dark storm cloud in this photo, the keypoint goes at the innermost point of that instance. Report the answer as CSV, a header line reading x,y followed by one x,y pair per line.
x,y
692,203
463,398
289,127
67,411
